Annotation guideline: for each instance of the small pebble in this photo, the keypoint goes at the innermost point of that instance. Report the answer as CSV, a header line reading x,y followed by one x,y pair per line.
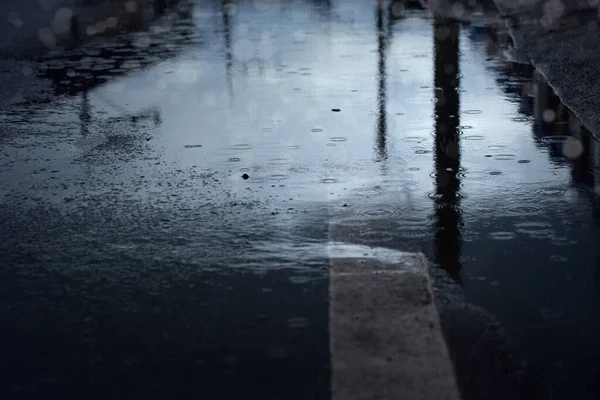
x,y
336,110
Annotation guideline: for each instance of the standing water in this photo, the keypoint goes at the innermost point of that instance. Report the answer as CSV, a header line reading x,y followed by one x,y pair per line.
x,y
169,209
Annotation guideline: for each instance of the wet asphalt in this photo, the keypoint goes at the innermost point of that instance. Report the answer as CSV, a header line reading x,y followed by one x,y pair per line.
x,y
167,197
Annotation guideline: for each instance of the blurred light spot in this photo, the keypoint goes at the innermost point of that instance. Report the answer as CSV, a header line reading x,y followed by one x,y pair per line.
x,y
100,26
46,35
548,115
111,22
458,9
62,21
131,6
572,148
90,30
17,23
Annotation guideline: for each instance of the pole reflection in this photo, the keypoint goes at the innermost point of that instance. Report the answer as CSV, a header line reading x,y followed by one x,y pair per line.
x,y
226,11
382,44
448,239
85,113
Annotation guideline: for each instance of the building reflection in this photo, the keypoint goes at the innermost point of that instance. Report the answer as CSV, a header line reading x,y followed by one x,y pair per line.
x,y
77,71
448,241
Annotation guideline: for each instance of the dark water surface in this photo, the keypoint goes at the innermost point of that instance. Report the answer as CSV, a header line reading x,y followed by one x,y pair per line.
x,y
136,262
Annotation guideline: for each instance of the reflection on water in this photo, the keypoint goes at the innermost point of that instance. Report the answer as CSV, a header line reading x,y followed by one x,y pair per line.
x,y
447,146
150,230
384,33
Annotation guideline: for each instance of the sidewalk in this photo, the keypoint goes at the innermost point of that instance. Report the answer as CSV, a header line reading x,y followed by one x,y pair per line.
x,y
561,40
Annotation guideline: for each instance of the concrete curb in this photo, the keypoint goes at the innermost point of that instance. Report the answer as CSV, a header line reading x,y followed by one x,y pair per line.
x,y
560,39
386,338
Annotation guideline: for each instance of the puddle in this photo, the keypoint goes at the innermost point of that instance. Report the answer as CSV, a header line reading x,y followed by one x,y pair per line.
x,y
131,172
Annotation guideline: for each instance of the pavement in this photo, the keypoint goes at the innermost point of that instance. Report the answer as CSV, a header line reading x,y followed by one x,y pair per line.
x,y
561,39
408,357
386,336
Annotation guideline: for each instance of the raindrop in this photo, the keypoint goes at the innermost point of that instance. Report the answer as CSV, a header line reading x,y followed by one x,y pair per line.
x,y
551,191
241,146
192,146
367,191
495,173
338,139
336,110
503,235
422,151
349,222
563,242
474,137
234,159
266,129
375,211
300,170
278,177
495,147
524,211
413,139
465,127
279,161
473,111
554,139
294,147
521,119
524,161
504,157
316,130
540,230
405,232
331,144
329,180
412,169
376,237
